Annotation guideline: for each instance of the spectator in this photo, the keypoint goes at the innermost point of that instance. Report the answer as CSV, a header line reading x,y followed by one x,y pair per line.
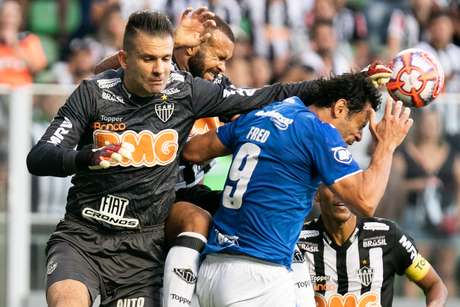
x,y
270,32
352,31
239,71
21,53
441,31
109,36
296,72
431,171
79,65
407,27
325,58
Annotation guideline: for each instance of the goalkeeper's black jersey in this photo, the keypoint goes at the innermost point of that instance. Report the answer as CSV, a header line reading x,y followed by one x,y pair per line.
x,y
136,193
360,272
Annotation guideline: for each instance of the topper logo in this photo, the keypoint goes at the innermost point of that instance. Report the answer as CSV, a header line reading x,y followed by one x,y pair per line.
x,y
149,149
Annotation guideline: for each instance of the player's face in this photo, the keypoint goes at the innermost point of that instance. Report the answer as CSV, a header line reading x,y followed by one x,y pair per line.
x,y
351,125
148,65
332,207
212,56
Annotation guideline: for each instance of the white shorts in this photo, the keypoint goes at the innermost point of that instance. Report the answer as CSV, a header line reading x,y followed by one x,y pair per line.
x,y
240,281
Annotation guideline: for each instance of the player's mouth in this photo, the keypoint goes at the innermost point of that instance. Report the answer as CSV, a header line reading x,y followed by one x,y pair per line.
x,y
156,81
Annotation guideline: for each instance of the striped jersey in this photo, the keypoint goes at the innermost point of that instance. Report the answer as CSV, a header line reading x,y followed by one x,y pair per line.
x,y
362,270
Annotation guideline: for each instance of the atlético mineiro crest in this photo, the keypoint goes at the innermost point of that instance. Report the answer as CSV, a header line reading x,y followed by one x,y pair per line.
x,y
365,275
164,110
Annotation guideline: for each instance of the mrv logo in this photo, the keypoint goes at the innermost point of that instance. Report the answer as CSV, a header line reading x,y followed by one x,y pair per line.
x,y
112,211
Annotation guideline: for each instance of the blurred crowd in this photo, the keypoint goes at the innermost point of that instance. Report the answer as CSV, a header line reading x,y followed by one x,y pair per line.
x,y
60,41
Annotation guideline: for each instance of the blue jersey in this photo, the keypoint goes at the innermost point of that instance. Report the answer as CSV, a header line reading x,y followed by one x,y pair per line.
x,y
280,155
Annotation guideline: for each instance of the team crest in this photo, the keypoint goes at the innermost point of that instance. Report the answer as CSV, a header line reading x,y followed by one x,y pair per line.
x,y
365,275
164,111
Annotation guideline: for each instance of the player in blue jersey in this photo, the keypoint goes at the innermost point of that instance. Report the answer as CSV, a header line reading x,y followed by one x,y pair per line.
x,y
280,155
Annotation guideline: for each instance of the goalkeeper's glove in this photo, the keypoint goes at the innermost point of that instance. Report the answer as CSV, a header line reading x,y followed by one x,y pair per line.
x,y
103,157
379,73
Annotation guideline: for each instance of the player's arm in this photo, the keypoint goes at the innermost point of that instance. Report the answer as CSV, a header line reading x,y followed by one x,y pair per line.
x,y
55,154
209,99
432,285
364,190
214,143
407,260
204,147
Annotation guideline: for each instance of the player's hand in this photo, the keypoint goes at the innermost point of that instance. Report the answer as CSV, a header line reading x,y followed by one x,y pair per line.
x,y
393,127
378,73
103,157
193,26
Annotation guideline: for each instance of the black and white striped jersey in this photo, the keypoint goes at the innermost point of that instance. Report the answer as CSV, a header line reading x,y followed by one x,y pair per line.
x,y
362,270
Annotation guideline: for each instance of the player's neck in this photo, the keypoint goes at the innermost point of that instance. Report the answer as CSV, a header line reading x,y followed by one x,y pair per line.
x,y
181,59
340,232
324,114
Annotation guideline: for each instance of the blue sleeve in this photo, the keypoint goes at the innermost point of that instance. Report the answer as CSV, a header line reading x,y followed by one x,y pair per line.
x,y
226,134
330,155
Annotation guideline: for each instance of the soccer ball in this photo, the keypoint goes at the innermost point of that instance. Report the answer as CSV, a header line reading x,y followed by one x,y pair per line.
x,y
417,78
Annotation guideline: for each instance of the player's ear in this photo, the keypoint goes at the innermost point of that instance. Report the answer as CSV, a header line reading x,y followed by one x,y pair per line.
x,y
340,108
317,198
122,57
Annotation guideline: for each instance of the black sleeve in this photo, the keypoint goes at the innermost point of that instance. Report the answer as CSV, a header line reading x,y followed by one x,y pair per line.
x,y
209,99
404,249
55,154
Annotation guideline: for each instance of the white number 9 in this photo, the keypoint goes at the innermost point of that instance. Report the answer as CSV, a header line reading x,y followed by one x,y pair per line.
x,y
250,153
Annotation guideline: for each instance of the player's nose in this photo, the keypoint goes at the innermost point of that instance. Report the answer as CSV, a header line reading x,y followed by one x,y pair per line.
x,y
358,136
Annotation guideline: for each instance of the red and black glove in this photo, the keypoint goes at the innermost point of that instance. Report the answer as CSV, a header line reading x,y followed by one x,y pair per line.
x,y
104,157
379,73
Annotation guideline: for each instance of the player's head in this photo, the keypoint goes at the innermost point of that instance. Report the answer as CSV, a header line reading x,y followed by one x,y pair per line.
x,y
346,102
147,52
332,208
210,58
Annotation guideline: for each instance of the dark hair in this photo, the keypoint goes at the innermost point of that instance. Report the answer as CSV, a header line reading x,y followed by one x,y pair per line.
x,y
356,88
221,25
438,13
319,23
150,22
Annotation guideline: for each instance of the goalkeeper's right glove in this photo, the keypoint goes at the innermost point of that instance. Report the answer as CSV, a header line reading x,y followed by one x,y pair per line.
x,y
103,157
379,73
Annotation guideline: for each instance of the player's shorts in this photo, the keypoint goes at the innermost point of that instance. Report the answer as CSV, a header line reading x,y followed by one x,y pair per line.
x,y
201,196
240,281
124,268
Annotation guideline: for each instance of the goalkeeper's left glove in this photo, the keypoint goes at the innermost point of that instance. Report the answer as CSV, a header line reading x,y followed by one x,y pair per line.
x,y
379,73
105,156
